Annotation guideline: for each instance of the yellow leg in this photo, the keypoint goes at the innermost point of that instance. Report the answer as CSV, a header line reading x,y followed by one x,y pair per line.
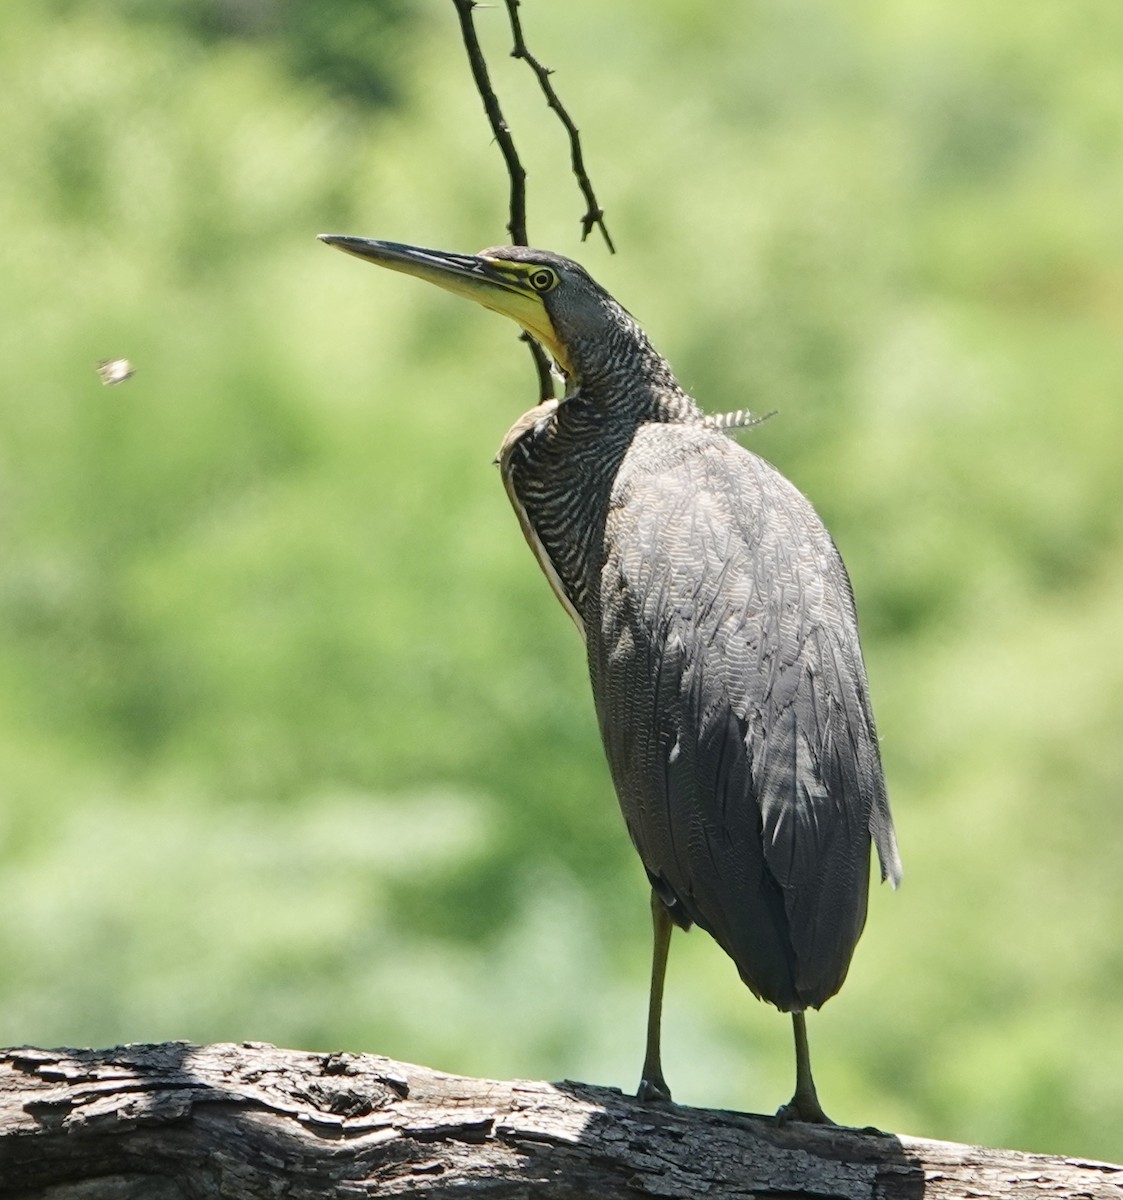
x,y
652,1086
804,1105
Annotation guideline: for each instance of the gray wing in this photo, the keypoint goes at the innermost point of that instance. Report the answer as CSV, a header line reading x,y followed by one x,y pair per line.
x,y
732,700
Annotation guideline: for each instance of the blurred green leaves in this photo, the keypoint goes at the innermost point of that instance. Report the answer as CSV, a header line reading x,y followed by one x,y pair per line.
x,y
295,742
353,49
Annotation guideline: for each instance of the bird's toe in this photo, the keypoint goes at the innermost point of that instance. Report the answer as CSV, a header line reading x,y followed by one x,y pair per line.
x,y
803,1108
654,1089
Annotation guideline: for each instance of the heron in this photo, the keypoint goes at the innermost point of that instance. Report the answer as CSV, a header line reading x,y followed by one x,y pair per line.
x,y
721,637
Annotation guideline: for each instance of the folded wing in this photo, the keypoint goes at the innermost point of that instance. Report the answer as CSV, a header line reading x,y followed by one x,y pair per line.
x,y
732,699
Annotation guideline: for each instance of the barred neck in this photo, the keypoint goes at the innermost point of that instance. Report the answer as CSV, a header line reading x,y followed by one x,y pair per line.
x,y
560,460
620,371
558,463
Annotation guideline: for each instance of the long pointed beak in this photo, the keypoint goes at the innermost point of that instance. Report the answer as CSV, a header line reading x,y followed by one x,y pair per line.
x,y
493,282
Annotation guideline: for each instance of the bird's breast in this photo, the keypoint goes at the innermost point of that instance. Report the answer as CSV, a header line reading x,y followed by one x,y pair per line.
x,y
558,467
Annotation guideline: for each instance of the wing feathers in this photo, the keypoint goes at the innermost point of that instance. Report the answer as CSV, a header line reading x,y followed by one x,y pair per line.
x,y
732,699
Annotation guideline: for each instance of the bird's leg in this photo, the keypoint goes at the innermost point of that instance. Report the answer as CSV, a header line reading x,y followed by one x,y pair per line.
x,y
804,1105
652,1086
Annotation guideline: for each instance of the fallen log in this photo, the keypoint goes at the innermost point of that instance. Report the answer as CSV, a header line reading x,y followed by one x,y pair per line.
x,y
244,1122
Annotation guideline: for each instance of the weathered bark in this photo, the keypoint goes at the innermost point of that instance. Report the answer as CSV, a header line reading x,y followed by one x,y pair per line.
x,y
180,1122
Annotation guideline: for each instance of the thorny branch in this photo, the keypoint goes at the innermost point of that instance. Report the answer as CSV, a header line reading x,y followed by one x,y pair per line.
x,y
516,224
594,214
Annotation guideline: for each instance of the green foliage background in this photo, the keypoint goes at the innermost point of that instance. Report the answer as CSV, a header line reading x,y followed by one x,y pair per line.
x,y
296,744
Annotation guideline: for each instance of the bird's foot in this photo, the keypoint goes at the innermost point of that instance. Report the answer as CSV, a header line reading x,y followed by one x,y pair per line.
x,y
653,1089
803,1108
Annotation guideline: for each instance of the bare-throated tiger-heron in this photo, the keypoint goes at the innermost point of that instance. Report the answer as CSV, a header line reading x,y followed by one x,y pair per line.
x,y
721,636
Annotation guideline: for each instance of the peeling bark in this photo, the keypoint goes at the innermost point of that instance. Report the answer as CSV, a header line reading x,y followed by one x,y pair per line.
x,y
182,1122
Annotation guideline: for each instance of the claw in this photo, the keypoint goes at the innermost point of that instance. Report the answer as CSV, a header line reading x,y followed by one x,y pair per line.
x,y
803,1108
653,1090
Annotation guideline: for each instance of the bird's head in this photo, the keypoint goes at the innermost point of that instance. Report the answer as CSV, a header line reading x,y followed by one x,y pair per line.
x,y
553,298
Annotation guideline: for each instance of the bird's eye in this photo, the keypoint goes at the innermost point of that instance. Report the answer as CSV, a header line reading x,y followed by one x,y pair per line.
x,y
543,279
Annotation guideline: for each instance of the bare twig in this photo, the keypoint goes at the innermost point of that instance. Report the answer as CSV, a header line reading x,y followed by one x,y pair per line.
x,y
516,224
594,214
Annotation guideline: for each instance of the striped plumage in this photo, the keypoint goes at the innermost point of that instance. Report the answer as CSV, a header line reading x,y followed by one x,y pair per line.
x,y
721,638
724,657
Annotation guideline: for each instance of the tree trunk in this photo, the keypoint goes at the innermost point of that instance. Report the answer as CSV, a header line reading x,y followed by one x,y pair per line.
x,y
182,1122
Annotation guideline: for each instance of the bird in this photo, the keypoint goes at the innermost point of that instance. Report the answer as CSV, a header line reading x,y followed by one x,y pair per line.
x,y
722,643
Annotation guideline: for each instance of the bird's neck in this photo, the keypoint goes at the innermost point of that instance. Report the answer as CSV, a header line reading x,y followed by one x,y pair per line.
x,y
559,463
629,380
626,402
